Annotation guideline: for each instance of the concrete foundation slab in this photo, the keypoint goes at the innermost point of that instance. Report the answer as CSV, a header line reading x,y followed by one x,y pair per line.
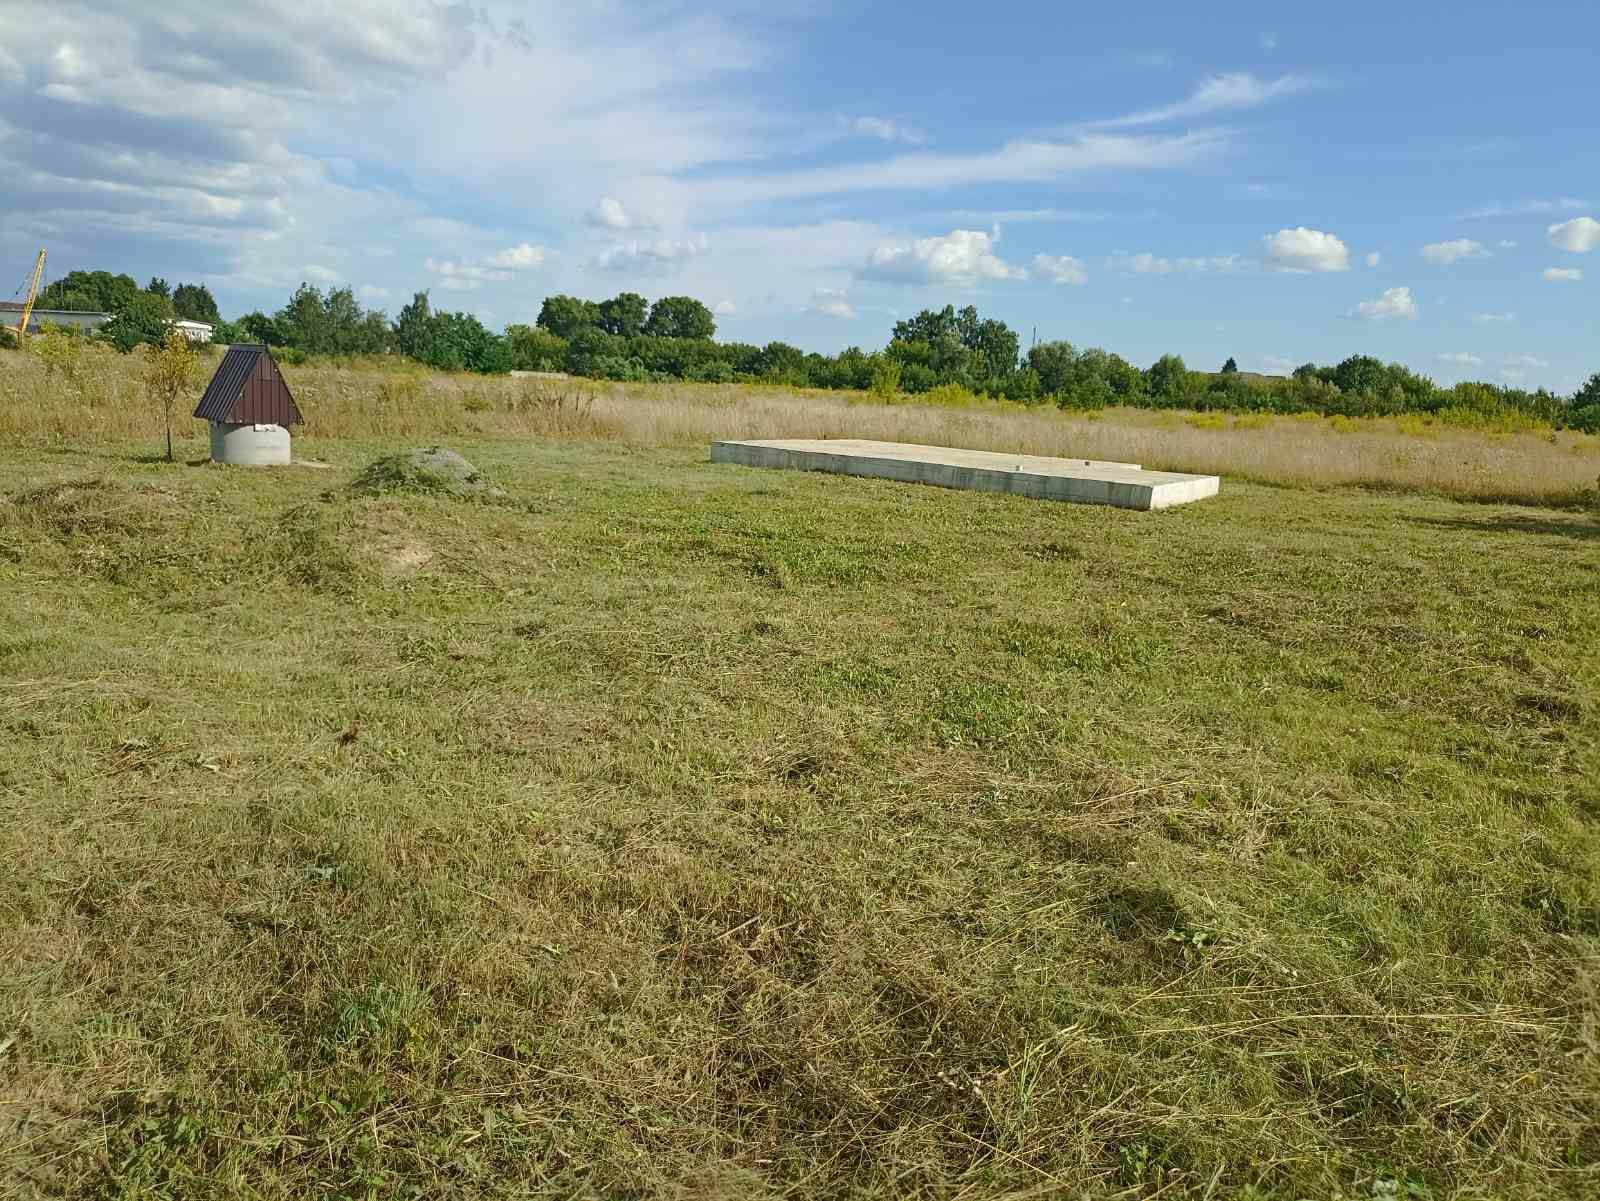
x,y
1085,481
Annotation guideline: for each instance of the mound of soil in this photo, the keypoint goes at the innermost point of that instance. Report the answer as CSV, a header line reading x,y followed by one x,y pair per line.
x,y
432,469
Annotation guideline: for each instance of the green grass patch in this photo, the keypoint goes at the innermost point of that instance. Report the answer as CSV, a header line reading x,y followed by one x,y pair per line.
x,y
694,831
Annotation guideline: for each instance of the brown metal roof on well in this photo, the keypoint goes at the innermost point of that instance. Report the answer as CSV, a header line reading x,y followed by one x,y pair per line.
x,y
248,389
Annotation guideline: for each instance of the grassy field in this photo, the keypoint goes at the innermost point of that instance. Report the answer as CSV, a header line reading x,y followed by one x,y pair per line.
x,y
93,394
676,830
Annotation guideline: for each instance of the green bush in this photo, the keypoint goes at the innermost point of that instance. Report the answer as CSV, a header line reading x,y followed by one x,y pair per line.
x,y
885,380
918,378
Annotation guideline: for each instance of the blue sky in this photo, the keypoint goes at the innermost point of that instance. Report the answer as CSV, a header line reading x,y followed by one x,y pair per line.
x,y
1420,183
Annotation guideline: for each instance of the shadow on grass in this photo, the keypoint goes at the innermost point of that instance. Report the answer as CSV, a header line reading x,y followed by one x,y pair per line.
x,y
1581,528
159,459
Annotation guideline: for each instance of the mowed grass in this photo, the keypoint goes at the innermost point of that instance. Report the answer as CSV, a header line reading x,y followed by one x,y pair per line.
x,y
681,830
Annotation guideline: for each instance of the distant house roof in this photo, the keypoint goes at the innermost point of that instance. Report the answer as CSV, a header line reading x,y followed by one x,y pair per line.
x,y
248,389
11,306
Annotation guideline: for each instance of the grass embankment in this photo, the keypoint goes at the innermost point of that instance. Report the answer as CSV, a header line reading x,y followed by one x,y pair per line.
x,y
98,396
679,830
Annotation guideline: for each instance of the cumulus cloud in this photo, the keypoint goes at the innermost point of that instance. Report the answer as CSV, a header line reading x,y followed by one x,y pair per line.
x,y
831,302
662,254
464,277
1563,275
1394,303
469,275
1442,254
520,257
886,130
1221,93
1304,250
1523,360
609,214
1461,358
1150,264
1061,269
372,292
725,308
181,139
154,133
322,275
1580,235
10,69
962,256
1505,245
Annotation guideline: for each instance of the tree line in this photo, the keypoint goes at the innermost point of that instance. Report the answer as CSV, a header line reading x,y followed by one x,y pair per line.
x,y
630,338
138,315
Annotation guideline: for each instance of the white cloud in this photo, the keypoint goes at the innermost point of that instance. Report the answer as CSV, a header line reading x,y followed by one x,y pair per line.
x,y
10,69
1394,303
372,292
1442,254
831,302
1303,250
68,64
768,270
470,275
180,152
1580,235
322,275
1014,162
520,257
662,254
1524,208
1150,264
725,308
464,277
887,130
1523,360
1505,245
1061,269
609,214
1492,318
1374,259
1275,364
1563,275
156,135
1221,93
1461,358
962,256
1269,41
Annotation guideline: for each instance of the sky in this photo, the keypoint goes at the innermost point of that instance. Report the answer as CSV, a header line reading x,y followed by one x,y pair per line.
x,y
1419,182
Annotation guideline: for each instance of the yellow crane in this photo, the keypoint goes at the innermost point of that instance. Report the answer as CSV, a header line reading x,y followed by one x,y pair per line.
x,y
21,328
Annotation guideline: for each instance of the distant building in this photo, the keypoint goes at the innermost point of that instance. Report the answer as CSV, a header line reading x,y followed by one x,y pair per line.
x,y
195,331
11,313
